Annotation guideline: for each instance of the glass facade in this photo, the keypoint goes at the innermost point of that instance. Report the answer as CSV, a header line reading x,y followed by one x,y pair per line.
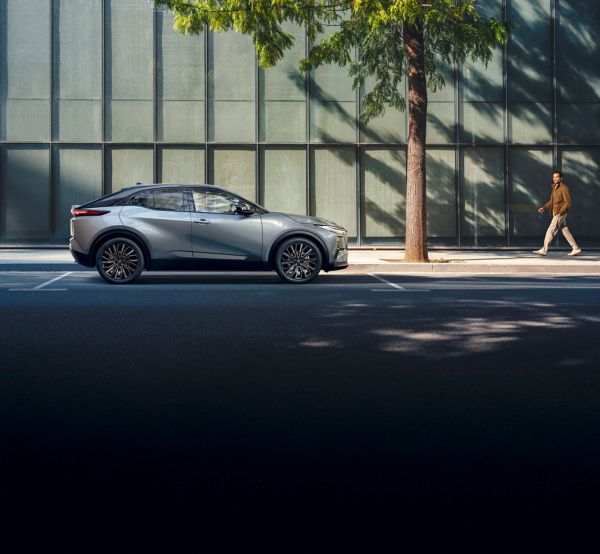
x,y
96,95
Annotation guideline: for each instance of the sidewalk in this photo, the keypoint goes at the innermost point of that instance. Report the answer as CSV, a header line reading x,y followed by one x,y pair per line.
x,y
377,260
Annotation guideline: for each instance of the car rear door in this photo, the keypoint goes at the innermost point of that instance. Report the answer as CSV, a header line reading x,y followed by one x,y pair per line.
x,y
218,233
163,218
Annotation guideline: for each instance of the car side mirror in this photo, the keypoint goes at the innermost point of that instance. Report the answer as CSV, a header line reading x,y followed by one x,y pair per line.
x,y
244,209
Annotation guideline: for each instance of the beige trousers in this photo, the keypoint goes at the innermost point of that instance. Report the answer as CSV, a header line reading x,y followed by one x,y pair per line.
x,y
558,222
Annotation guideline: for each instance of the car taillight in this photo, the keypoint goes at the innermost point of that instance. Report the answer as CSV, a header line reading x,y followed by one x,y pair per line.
x,y
80,211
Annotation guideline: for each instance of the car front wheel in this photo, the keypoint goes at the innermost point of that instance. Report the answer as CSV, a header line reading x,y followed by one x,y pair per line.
x,y
298,260
119,261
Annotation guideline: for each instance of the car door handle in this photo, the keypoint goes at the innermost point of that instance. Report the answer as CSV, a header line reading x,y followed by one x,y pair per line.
x,y
201,221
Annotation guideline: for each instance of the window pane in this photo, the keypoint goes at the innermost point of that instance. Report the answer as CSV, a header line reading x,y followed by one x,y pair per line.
x,y
283,94
441,194
578,123
213,202
578,51
77,180
481,108
440,122
529,51
481,83
180,82
25,70
78,70
448,91
128,166
144,199
440,109
529,184
578,71
25,191
231,70
333,103
580,169
482,122
482,193
384,181
530,123
333,183
181,165
391,126
129,66
169,201
283,180
235,171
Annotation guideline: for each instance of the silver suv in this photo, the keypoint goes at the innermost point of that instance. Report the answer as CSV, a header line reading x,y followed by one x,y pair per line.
x,y
200,227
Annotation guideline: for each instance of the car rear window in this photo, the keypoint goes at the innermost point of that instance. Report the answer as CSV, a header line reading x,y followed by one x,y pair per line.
x,y
108,200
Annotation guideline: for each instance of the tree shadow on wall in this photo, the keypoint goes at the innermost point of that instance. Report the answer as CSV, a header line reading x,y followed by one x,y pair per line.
x,y
578,69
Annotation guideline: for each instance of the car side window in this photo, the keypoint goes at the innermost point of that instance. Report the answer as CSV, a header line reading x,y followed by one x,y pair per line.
x,y
213,202
165,200
144,199
169,200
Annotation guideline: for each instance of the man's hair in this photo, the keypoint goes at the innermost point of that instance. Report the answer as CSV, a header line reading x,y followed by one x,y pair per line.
x,y
559,173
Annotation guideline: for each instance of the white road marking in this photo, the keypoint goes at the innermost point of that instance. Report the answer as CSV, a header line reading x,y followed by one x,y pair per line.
x,y
395,287
403,290
52,280
41,287
398,287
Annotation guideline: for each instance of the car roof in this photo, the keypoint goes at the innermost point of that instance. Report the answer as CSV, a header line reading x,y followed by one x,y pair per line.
x,y
144,186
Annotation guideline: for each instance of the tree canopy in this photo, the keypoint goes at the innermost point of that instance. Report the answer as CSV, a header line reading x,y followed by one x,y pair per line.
x,y
452,30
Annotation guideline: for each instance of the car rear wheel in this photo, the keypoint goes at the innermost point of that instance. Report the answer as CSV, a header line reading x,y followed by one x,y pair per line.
x,y
298,260
119,261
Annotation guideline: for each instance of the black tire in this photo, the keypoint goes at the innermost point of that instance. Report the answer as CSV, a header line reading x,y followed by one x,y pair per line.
x,y
119,261
298,260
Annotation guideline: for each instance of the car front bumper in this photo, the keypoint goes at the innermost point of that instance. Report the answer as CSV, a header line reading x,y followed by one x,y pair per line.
x,y
340,261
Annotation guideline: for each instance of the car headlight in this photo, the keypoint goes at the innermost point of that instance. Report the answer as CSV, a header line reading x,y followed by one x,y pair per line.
x,y
332,228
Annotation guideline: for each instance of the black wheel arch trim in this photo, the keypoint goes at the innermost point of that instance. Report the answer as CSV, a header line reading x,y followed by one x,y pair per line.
x,y
116,232
300,234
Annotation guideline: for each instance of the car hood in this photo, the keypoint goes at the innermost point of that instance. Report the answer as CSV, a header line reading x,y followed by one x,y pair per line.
x,y
308,220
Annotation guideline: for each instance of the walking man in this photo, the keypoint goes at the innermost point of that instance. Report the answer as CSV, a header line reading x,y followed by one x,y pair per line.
x,y
559,204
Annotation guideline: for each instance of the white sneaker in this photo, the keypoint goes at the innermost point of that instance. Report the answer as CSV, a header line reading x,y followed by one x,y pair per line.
x,y
542,252
574,252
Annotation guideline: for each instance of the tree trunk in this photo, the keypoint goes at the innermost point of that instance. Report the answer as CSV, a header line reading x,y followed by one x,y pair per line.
x,y
416,211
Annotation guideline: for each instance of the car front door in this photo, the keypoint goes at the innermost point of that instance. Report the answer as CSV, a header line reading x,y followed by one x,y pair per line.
x,y
219,233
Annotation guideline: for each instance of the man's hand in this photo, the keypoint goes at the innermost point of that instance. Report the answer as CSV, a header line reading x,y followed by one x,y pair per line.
x,y
541,210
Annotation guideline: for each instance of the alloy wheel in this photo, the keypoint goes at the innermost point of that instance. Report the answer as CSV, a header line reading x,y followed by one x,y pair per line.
x,y
120,261
299,261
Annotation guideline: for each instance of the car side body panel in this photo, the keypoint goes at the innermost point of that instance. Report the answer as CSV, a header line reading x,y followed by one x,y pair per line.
x,y
227,237
168,233
84,230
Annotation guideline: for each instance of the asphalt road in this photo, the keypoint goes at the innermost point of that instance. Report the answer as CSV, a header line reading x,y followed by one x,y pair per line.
x,y
414,396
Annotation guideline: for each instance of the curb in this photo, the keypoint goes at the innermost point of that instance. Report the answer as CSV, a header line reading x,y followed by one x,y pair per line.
x,y
473,268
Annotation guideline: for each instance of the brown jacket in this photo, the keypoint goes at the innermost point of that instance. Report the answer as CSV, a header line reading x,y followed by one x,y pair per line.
x,y
560,199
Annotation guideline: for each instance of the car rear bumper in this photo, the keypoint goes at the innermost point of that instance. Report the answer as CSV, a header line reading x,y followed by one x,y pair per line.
x,y
80,257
